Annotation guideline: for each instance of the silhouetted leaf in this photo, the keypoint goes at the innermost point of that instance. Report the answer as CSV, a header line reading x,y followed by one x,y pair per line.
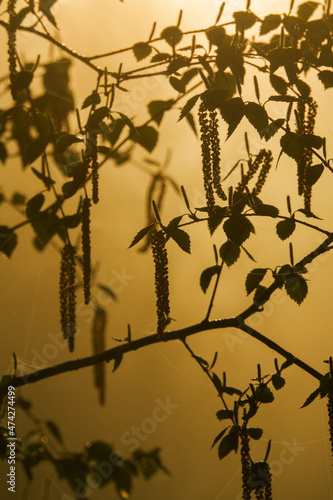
x,y
3,153
34,149
303,88
263,394
238,228
255,432
64,140
254,278
278,381
45,8
219,436
108,291
8,240
259,293
22,80
326,78
18,199
216,35
141,234
46,180
313,173
296,287
270,23
312,141
306,9
228,443
141,50
292,145
224,414
229,252
181,238
278,84
172,35
160,57
232,112
257,116
285,228
188,106
311,398
177,84
207,275
92,100
34,205
158,108
272,128
268,210
231,57
244,20
54,429
97,116
190,120
147,137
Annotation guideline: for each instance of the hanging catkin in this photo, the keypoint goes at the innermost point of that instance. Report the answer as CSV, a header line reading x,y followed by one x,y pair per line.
x,y
262,163
205,141
306,112
86,248
161,279
215,155
265,167
330,418
67,294
91,162
12,53
98,345
246,462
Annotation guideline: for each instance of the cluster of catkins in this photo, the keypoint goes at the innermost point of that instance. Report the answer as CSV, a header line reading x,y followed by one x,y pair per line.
x,y
256,476
262,163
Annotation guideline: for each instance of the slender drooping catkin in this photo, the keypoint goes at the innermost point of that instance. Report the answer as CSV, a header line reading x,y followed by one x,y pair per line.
x,y
67,294
215,155
95,173
205,141
91,162
265,167
306,111
246,462
12,53
160,257
98,345
330,418
86,248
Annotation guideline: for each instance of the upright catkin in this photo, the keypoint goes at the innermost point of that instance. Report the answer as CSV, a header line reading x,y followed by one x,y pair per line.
x,y
98,345
205,142
67,294
160,257
86,248
246,462
12,53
